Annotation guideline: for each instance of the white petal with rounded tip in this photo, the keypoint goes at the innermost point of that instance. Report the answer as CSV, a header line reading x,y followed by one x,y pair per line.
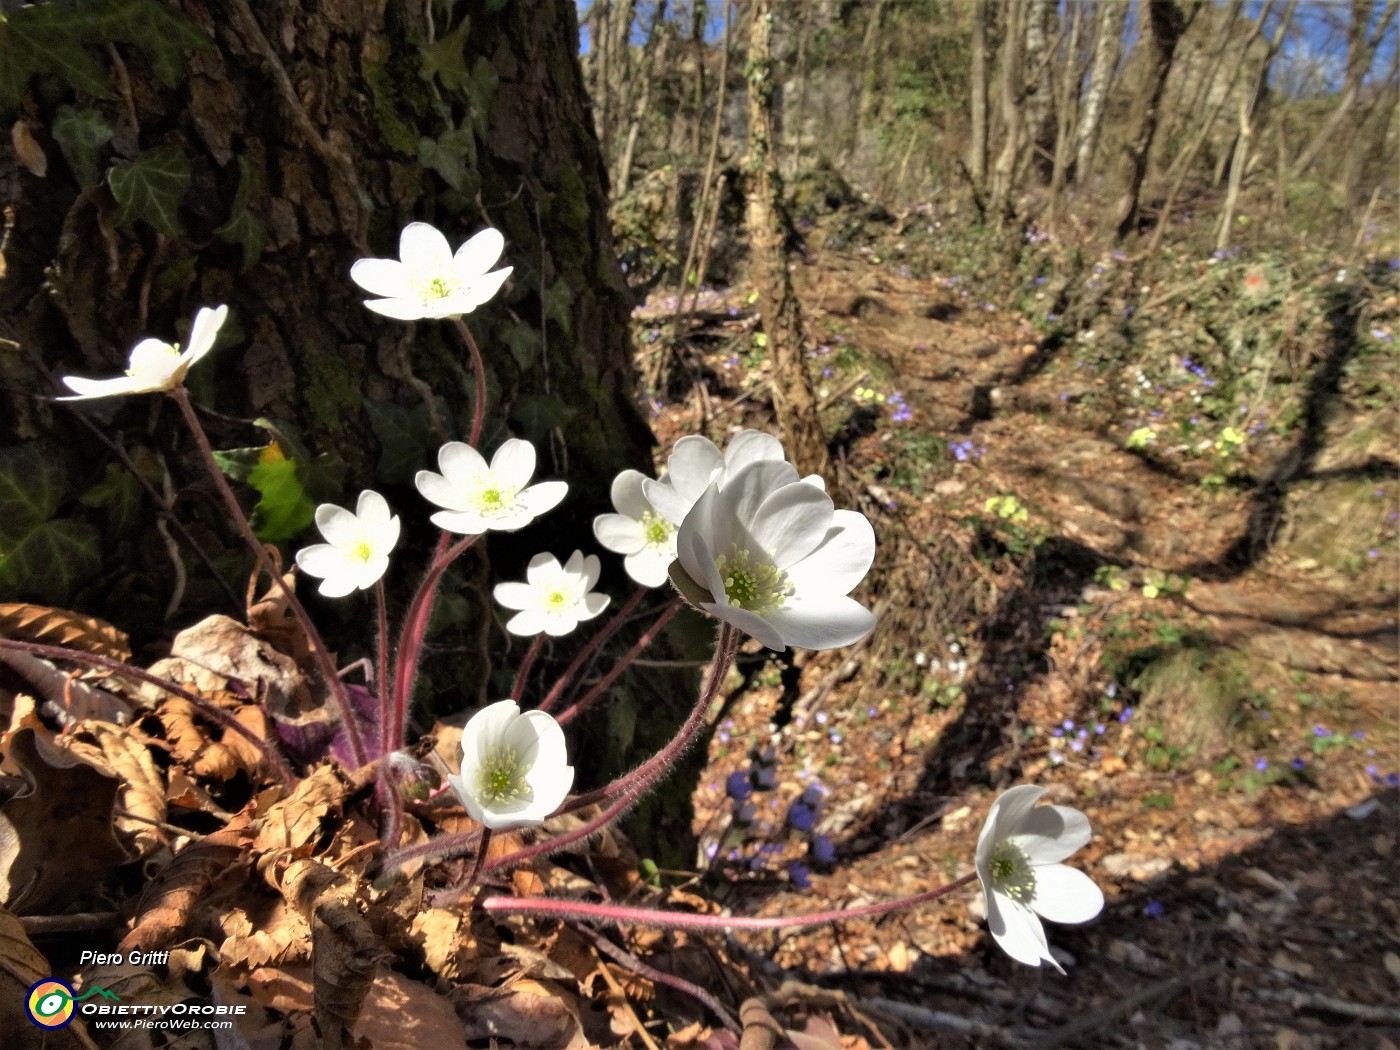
x,y
627,495
619,533
479,253
593,604
667,501
367,573
460,463
437,489
745,492
338,525
331,566
203,333
424,248
514,595
648,567
462,522
1009,810
527,622
484,288
751,446
92,388
542,569
1049,834
485,729
514,462
693,461
543,497
1065,894
756,627
841,560
398,309
792,522
822,622
387,277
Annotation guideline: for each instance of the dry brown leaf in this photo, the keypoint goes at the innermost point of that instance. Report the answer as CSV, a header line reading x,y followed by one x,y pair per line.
x,y
22,966
120,754
47,626
24,715
27,149
170,900
446,941
295,822
56,832
219,650
400,1014
287,990
528,1013
273,936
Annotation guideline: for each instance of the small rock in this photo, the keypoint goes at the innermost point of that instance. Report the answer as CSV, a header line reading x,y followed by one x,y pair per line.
x,y
1135,866
949,487
1229,1027
1392,964
957,819
1288,963
1363,809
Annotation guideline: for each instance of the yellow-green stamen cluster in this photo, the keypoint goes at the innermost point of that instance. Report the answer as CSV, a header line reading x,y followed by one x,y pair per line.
x,y
491,497
657,530
501,779
559,598
434,286
361,551
1012,873
754,585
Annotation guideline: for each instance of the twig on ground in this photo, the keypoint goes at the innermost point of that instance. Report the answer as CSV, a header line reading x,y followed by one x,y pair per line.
x,y
1126,1006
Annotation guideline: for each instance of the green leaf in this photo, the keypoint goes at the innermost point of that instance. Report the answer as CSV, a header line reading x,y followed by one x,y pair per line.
x,y
238,463
284,510
80,134
31,487
479,89
151,188
51,559
243,227
451,154
119,494
537,414
523,341
557,302
405,440
446,58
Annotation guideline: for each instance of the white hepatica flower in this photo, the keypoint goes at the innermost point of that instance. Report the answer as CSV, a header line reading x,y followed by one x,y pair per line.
x,y
1018,864
154,365
557,597
356,552
772,556
645,538
427,280
515,768
696,461
477,497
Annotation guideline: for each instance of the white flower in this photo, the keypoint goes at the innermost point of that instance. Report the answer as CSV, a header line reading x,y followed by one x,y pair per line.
x,y
515,768
1018,864
637,531
427,280
477,498
154,365
772,556
557,598
356,553
696,461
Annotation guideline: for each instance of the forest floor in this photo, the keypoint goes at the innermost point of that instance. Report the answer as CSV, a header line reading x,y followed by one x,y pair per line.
x,y
1174,657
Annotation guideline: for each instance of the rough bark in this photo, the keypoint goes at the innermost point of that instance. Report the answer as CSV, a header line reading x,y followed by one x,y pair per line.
x,y
1039,101
653,55
1012,88
1167,22
977,139
794,398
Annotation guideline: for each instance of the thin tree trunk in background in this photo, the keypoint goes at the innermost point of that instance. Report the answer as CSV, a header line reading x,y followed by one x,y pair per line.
x,y
1360,50
1111,16
869,76
800,127
1167,22
697,39
794,398
977,144
1040,91
1012,87
1066,107
653,55
600,37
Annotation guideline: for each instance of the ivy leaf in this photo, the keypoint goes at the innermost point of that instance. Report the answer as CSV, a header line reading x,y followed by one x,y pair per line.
x,y
479,88
31,488
557,301
537,414
42,37
450,155
238,463
523,342
446,58
284,509
119,494
162,34
405,440
80,134
243,227
51,559
151,188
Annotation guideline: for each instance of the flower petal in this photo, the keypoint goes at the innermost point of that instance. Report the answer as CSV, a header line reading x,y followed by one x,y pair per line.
x,y
1017,931
203,333
692,463
756,627
627,495
619,533
751,446
483,289
338,525
792,522
514,595
648,566
387,277
479,253
1049,834
462,522
460,463
842,558
528,623
514,462
398,309
1065,894
822,622
1006,812
91,388
485,730
542,498
424,249
543,569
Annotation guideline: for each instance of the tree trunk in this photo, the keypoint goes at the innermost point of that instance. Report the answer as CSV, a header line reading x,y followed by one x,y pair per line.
x,y
1167,23
1066,104
1039,101
869,77
1012,86
1112,15
794,398
307,137
977,140
697,39
653,55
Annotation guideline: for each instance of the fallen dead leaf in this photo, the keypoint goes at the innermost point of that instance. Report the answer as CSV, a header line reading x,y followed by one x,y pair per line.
x,y
171,899
119,754
21,967
528,1013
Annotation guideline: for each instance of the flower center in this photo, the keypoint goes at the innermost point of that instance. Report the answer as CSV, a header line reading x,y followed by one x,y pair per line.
x,y
656,529
361,551
558,599
434,285
163,361
501,779
491,497
752,584
1012,873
